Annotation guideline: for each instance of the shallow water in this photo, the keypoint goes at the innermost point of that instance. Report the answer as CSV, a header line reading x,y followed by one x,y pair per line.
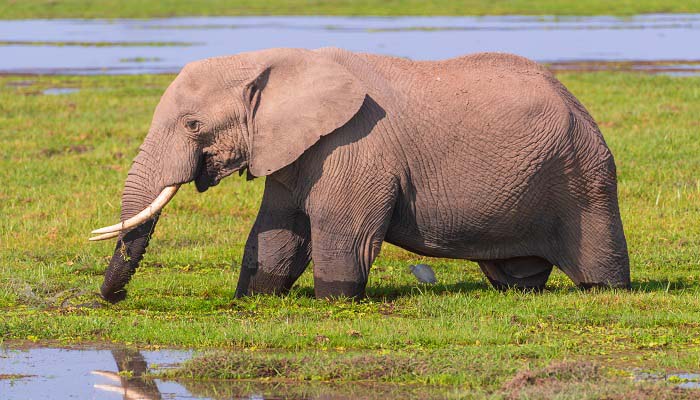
x,y
48,373
689,381
58,91
165,45
122,373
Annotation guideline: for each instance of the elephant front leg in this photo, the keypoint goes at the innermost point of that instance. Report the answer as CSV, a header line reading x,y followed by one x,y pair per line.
x,y
346,238
341,267
278,249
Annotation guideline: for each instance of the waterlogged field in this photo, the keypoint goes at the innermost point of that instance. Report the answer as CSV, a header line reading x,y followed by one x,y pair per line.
x,y
140,9
64,158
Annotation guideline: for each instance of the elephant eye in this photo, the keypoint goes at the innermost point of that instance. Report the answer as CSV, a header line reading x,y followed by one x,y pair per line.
x,y
192,125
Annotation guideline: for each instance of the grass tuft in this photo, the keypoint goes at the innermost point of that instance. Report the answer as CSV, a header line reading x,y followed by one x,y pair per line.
x,y
318,366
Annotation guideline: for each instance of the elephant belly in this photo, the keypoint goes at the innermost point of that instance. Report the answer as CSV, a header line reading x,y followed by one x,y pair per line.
x,y
480,202
468,244
436,245
469,230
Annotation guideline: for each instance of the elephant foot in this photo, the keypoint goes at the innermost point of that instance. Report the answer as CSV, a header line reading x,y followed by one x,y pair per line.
x,y
263,282
335,289
525,273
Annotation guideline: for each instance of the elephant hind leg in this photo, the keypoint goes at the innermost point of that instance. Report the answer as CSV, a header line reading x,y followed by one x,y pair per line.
x,y
595,253
527,273
592,249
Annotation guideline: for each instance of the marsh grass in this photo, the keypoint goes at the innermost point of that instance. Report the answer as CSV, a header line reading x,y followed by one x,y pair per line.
x,y
64,159
170,8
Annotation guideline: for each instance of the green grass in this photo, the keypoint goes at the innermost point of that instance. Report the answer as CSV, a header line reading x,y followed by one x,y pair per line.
x,y
63,162
10,9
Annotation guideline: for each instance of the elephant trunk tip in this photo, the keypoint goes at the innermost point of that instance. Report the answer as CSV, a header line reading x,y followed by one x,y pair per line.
x,y
113,297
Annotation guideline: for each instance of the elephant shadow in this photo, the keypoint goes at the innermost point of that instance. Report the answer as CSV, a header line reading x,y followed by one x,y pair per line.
x,y
392,292
667,285
397,291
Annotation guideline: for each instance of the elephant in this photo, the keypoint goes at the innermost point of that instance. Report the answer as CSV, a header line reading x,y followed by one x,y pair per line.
x,y
485,157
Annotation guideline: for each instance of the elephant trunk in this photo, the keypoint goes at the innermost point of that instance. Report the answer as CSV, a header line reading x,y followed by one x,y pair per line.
x,y
128,253
139,195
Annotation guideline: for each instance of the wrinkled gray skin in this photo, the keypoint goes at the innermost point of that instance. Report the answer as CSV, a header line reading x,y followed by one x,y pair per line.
x,y
485,157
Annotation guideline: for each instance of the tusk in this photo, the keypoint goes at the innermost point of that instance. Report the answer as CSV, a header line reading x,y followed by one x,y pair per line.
x,y
147,213
104,236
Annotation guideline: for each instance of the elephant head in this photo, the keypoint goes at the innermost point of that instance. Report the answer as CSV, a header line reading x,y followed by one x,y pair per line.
x,y
257,111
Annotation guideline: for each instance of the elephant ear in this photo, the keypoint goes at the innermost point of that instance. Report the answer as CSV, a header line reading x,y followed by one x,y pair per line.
x,y
296,98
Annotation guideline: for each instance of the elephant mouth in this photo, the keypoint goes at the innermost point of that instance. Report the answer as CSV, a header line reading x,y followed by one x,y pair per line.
x,y
205,177
210,172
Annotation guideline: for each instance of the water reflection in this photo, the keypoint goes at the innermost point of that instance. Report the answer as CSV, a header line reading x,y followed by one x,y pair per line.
x,y
131,379
88,373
